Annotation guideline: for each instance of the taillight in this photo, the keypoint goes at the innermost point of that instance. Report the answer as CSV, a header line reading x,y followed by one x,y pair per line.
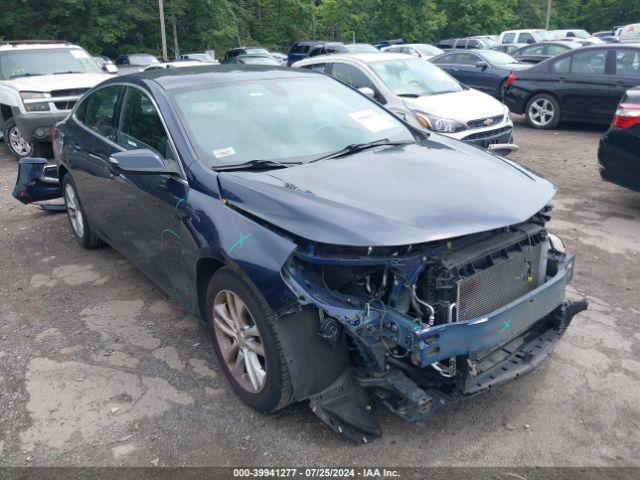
x,y
627,115
511,78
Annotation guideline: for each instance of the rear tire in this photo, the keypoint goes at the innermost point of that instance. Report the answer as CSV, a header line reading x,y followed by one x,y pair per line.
x,y
18,146
246,344
76,214
543,111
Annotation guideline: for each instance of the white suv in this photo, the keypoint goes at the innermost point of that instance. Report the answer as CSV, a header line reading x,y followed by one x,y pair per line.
x,y
40,81
526,36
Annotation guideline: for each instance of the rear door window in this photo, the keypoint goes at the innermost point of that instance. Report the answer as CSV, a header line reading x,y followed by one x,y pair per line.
x,y
591,62
555,49
98,110
526,38
444,59
561,66
473,44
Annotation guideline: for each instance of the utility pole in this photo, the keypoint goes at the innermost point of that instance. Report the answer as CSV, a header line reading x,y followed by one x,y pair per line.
x,y
163,34
546,25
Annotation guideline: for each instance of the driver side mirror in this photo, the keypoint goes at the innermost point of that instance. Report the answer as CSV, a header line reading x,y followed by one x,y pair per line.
x,y
142,161
481,64
367,91
110,68
531,41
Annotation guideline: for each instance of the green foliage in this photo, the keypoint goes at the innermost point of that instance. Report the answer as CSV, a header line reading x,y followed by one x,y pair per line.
x,y
112,27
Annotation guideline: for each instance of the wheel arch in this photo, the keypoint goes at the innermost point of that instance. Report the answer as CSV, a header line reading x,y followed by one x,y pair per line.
x,y
205,269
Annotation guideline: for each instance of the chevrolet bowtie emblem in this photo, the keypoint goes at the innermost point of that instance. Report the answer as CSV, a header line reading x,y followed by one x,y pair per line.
x,y
487,122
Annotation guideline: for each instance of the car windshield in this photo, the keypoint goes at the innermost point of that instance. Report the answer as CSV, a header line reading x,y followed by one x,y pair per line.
x,y
258,60
498,58
25,63
489,42
582,34
281,120
361,48
414,77
142,60
428,50
256,51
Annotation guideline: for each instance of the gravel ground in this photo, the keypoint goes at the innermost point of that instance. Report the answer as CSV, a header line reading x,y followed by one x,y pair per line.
x,y
99,368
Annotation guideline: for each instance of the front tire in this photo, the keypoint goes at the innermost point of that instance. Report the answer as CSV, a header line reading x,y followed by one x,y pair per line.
x,y
543,111
77,219
18,146
247,347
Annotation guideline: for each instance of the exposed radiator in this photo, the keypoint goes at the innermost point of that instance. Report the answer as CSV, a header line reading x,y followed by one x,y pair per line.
x,y
497,285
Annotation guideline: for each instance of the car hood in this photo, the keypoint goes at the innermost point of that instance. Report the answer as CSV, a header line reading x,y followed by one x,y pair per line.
x,y
392,196
461,106
47,83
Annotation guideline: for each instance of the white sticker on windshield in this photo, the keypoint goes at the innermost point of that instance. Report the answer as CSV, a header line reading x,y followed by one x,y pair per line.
x,y
79,54
224,152
372,121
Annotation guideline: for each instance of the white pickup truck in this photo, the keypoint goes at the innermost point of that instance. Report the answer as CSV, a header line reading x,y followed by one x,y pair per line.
x,y
40,81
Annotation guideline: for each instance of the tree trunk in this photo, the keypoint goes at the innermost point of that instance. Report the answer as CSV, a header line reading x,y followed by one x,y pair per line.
x,y
176,48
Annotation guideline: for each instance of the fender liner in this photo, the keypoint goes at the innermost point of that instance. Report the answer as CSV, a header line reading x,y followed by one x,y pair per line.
x,y
322,374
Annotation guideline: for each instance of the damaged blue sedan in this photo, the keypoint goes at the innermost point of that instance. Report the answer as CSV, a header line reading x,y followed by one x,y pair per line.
x,y
334,252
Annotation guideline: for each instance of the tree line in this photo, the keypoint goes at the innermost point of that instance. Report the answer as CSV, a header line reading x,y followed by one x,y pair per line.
x,y
112,27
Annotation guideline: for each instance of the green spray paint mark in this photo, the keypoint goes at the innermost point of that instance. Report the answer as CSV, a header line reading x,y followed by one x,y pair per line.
x,y
505,325
180,202
240,243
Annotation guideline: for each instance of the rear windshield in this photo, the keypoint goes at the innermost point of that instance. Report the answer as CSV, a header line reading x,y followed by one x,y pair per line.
x,y
54,61
499,58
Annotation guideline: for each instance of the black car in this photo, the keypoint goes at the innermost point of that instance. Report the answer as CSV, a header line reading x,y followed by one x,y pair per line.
x,y
300,50
538,52
234,52
484,70
583,85
619,152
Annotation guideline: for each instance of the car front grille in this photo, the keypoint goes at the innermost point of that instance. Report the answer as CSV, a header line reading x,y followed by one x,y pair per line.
x,y
75,92
64,105
485,122
488,133
497,285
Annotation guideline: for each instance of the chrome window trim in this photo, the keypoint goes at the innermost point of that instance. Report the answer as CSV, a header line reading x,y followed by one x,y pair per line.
x,y
183,176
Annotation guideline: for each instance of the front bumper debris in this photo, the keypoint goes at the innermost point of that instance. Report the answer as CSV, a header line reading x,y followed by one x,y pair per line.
x,y
413,401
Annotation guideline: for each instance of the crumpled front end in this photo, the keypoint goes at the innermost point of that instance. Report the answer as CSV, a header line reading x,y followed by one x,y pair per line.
x,y
429,325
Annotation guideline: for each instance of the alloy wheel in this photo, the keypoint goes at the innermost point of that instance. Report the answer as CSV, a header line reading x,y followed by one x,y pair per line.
x,y
239,340
541,112
73,210
18,144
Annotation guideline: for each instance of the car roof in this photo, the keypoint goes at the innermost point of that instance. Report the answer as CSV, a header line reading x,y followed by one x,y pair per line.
x,y
35,45
525,30
186,77
358,57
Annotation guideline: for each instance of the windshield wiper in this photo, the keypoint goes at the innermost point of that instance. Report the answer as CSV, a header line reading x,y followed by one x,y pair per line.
x,y
358,147
255,165
64,73
25,75
409,95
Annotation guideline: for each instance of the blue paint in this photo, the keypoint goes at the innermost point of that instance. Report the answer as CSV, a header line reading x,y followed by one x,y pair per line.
x,y
505,325
240,242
